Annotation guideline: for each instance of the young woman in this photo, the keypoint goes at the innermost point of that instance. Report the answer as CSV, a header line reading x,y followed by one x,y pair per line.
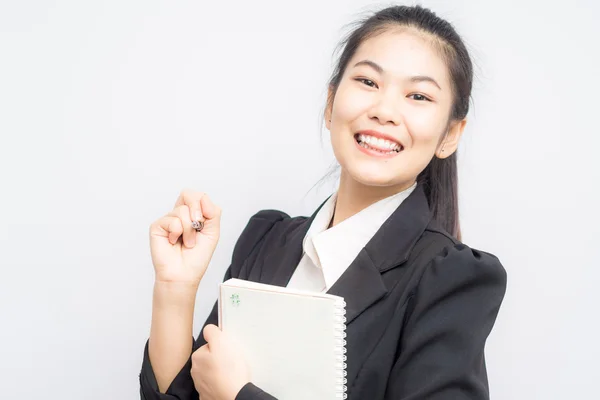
x,y
420,304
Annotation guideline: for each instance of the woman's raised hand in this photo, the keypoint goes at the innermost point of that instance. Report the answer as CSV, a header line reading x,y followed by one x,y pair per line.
x,y
180,254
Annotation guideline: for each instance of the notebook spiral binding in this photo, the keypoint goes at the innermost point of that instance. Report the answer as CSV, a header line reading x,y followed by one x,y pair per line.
x,y
340,349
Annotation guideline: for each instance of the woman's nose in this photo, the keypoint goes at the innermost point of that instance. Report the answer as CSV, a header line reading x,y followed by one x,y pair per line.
x,y
386,109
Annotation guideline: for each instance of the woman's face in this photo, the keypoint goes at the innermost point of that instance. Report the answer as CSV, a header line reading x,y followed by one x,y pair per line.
x,y
396,87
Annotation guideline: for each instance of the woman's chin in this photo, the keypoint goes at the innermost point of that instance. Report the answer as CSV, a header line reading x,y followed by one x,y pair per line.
x,y
373,177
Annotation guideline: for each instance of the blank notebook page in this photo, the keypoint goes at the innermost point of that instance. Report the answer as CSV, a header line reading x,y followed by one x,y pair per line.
x,y
292,339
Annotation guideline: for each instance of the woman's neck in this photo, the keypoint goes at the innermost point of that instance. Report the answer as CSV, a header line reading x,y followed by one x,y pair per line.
x,y
352,196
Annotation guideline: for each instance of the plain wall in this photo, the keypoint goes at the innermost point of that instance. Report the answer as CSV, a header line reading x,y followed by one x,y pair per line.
x,y
109,109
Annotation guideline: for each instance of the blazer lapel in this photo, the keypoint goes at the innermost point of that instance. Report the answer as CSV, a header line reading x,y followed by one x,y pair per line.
x,y
285,258
362,283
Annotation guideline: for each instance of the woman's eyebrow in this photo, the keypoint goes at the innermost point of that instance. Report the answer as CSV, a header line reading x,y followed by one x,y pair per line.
x,y
371,64
424,78
414,79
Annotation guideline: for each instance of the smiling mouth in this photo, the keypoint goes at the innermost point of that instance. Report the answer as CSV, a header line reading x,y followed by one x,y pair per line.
x,y
379,145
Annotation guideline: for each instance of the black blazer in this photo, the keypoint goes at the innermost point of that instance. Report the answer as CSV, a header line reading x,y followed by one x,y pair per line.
x,y
420,306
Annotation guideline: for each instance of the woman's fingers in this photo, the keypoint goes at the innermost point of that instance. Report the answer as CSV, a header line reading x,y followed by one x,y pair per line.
x,y
209,208
192,199
193,206
171,226
189,233
172,262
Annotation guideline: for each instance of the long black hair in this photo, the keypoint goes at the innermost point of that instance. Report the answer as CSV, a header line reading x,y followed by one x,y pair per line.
x,y
440,178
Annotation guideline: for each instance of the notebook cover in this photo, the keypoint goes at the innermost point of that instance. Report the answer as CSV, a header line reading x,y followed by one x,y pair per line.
x,y
290,338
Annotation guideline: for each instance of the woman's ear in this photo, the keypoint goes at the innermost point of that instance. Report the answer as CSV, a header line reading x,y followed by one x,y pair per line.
x,y
449,143
329,108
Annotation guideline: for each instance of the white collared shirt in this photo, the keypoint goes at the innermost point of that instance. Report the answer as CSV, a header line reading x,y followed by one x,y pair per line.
x,y
329,252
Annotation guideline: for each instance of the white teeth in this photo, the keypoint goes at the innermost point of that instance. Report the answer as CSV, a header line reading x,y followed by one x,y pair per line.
x,y
381,143
366,146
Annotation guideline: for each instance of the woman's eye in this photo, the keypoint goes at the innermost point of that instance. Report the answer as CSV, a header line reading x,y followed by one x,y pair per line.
x,y
367,81
419,97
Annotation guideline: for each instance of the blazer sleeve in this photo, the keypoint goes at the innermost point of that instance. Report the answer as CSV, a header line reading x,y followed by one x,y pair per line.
x,y
247,246
450,315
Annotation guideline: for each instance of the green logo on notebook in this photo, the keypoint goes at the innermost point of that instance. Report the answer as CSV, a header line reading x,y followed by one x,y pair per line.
x,y
235,299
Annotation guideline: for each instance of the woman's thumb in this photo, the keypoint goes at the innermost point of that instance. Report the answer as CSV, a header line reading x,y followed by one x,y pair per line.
x,y
209,209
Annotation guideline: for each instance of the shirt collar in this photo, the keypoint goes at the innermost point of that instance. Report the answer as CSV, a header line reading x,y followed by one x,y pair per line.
x,y
333,250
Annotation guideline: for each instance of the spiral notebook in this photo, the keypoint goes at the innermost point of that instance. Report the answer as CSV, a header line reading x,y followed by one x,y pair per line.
x,y
293,340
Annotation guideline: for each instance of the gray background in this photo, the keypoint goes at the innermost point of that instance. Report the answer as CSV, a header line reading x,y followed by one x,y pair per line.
x,y
109,109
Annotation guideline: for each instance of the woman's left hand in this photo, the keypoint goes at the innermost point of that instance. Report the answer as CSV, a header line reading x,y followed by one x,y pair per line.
x,y
219,370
